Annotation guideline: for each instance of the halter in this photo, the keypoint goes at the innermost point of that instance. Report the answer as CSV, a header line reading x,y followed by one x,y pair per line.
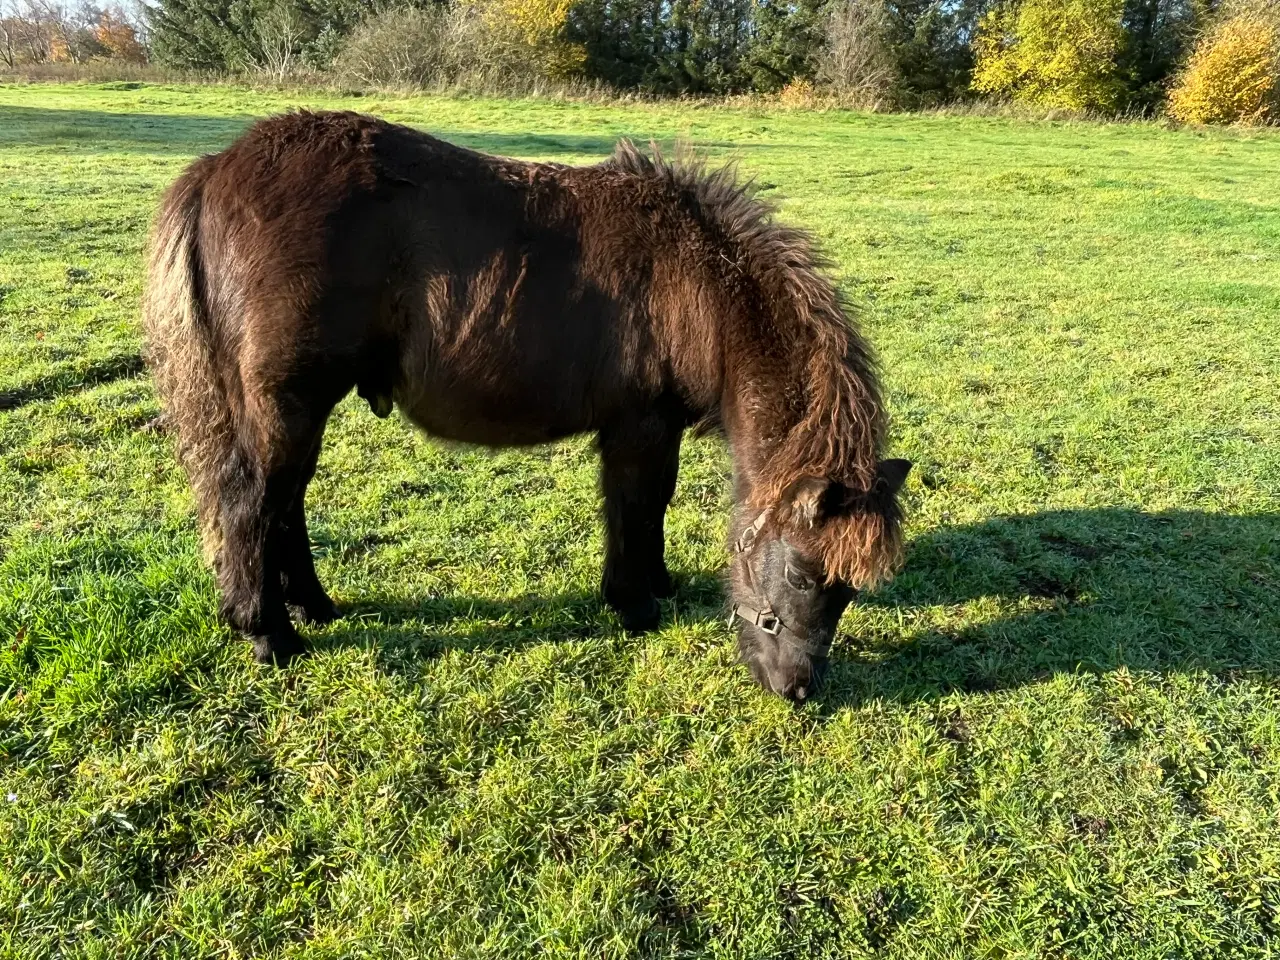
x,y
764,618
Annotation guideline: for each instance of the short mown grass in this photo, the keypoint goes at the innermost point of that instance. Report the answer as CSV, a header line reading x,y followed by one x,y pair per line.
x,y
1056,734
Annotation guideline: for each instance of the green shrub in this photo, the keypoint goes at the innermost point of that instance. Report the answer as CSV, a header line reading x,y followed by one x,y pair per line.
x,y
408,47
235,35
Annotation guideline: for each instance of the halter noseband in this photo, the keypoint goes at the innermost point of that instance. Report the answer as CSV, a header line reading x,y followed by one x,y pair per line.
x,y
764,618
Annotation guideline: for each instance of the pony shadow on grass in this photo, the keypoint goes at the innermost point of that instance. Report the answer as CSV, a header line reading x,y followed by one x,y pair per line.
x,y
71,377
1090,591
407,630
101,131
1031,596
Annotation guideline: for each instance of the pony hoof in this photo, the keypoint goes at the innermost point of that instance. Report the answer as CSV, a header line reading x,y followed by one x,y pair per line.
x,y
315,613
281,653
642,617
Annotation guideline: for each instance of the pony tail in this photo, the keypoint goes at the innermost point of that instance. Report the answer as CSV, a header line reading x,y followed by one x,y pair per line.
x,y
181,350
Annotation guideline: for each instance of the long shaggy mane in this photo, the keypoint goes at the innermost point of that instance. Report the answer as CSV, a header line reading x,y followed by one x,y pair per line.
x,y
827,421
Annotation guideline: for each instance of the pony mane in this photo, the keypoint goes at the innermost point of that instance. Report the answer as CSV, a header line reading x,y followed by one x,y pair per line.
x,y
829,422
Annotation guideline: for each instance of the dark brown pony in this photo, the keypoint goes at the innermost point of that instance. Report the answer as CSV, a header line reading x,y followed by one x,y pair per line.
x,y
503,303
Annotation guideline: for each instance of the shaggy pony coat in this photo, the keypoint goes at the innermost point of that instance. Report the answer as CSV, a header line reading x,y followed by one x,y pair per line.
x,y
498,302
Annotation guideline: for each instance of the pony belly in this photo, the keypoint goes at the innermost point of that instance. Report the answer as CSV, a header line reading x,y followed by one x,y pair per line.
x,y
463,417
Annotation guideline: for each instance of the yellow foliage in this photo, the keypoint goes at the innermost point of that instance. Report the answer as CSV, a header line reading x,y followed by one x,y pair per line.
x,y
534,30
798,93
60,50
1234,73
119,39
1051,53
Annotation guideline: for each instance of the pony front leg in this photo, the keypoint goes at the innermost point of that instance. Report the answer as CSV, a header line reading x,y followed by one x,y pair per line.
x,y
304,595
639,461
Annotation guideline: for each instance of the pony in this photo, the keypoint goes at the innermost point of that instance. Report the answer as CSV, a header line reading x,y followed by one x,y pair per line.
x,y
499,302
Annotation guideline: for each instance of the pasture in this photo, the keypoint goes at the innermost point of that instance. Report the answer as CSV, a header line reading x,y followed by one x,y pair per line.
x,y
1057,733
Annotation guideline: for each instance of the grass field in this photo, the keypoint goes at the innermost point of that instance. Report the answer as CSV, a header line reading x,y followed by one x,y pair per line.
x,y
1057,734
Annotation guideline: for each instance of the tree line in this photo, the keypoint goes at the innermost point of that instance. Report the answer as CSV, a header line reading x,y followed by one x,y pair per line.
x,y
43,31
1203,60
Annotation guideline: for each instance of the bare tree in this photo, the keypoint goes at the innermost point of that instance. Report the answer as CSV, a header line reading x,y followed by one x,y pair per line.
x,y
41,31
37,31
34,24
8,29
134,13
280,34
857,61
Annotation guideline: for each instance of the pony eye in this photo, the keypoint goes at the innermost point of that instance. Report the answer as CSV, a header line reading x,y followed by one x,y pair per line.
x,y
798,579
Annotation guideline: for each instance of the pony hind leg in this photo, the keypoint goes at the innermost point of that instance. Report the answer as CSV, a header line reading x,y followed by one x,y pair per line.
x,y
639,461
261,490
304,595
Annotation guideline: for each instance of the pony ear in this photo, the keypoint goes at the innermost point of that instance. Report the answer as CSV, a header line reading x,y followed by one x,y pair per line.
x,y
803,501
891,475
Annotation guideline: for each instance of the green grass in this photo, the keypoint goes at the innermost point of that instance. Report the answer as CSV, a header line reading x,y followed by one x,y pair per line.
x,y
1056,734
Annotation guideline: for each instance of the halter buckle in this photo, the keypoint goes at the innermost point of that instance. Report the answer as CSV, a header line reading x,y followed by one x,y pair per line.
x,y
766,620
748,536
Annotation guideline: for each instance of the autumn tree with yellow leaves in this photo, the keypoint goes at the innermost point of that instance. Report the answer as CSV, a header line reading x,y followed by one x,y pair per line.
x,y
533,32
1233,75
1051,53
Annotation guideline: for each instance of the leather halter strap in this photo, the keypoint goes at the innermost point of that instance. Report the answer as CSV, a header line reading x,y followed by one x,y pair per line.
x,y
764,618
748,536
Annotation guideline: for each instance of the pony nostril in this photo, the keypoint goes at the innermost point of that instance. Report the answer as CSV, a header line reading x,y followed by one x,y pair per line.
x,y
782,686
